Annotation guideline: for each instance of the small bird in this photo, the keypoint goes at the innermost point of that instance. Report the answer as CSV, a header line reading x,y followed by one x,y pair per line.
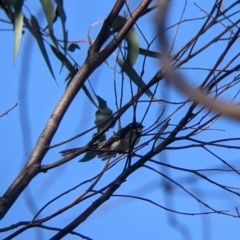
x,y
122,141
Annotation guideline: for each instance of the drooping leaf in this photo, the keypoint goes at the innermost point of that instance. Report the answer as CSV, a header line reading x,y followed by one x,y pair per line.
x,y
7,7
103,113
88,156
72,70
18,25
61,13
35,30
132,55
63,59
50,16
68,77
132,74
132,46
149,53
131,39
100,139
88,95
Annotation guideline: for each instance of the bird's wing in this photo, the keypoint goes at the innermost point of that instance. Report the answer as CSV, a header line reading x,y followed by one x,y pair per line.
x,y
114,138
109,141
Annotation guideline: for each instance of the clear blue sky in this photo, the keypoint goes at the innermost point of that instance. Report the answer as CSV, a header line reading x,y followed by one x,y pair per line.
x,y
27,81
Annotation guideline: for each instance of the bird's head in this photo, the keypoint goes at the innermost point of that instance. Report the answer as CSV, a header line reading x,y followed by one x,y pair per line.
x,y
138,126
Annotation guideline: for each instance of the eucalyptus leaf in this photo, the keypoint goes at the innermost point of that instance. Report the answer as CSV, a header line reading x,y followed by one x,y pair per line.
x,y
131,39
149,53
72,71
36,32
61,13
103,113
18,25
88,156
132,74
50,16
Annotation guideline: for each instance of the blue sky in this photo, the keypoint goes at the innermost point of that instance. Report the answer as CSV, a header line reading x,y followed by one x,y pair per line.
x,y
27,81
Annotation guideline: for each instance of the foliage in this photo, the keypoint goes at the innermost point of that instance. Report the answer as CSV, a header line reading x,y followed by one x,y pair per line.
x,y
203,63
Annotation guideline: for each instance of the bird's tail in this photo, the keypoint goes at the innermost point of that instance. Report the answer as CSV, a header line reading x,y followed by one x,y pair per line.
x,y
71,151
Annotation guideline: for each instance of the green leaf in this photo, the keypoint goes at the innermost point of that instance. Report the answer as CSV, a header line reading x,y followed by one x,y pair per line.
x,y
72,70
101,139
7,7
88,156
103,113
131,39
89,95
132,46
18,24
146,52
64,60
132,54
132,74
61,13
68,78
35,30
50,16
